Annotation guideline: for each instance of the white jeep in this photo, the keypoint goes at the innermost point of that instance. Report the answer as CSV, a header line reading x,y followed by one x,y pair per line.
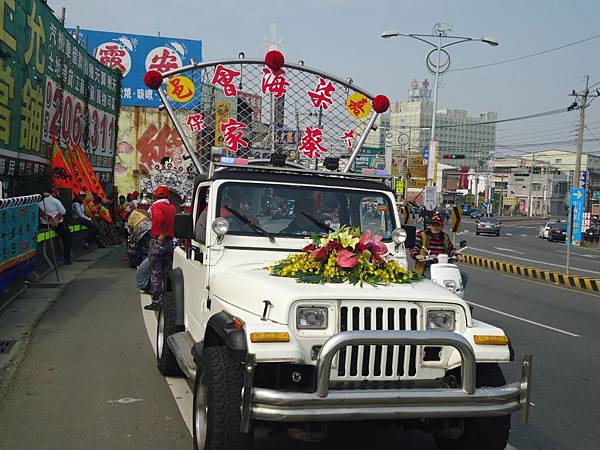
x,y
268,351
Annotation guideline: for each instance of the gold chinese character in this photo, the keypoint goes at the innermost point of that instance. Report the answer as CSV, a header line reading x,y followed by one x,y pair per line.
x,y
32,109
37,39
5,36
7,92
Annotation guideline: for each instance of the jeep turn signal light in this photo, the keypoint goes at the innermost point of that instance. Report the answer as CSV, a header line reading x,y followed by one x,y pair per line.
x,y
482,339
270,337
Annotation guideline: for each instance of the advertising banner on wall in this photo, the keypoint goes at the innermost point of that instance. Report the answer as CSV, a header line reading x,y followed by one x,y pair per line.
x,y
135,54
50,88
19,225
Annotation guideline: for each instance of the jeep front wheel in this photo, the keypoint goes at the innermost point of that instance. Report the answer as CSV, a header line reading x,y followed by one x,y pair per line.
x,y
490,433
166,326
217,400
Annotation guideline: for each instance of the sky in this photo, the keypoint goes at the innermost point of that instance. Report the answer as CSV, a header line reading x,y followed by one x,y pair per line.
x,y
342,37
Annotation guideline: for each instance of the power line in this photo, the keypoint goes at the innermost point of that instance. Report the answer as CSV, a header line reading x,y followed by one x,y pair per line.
x,y
531,55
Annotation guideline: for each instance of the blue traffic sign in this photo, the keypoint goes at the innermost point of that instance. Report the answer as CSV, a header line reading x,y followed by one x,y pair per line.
x,y
425,153
577,205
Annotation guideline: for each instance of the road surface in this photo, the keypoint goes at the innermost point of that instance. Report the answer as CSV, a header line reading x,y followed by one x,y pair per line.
x,y
89,378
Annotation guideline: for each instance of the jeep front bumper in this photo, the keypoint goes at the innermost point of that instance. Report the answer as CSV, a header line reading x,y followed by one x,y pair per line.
x,y
369,404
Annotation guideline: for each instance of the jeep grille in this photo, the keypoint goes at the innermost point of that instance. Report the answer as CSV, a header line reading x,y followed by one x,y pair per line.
x,y
377,362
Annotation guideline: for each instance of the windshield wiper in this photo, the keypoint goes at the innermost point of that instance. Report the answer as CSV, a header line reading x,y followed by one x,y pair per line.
x,y
318,223
250,223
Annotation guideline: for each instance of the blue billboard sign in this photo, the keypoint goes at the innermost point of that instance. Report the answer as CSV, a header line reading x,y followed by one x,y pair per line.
x,y
577,204
135,54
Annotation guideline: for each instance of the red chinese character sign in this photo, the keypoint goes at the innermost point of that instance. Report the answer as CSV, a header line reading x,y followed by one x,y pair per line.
x,y
114,55
181,89
274,82
233,134
195,123
226,79
348,138
358,105
163,59
311,143
320,97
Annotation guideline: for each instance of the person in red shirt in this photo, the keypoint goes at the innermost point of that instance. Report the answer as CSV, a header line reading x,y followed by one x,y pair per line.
x,y
160,252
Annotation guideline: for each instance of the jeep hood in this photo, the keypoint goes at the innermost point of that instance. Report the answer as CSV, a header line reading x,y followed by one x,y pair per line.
x,y
248,285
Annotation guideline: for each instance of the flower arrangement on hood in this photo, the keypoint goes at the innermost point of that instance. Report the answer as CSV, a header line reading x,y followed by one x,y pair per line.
x,y
343,256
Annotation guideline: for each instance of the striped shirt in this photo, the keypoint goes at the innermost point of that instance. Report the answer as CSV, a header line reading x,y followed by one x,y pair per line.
x,y
436,244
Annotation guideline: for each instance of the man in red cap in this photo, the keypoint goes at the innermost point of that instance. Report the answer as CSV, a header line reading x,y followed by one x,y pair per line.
x,y
434,241
160,252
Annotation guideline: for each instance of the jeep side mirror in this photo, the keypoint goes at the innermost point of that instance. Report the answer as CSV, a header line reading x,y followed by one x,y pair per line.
x,y
184,226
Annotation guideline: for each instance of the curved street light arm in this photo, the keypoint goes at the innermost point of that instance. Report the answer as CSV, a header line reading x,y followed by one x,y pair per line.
x,y
459,42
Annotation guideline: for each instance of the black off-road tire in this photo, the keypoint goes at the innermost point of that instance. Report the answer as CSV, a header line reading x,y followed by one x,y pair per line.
x,y
221,378
165,359
490,433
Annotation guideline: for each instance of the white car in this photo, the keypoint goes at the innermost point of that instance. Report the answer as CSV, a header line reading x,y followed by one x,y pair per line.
x,y
545,229
269,352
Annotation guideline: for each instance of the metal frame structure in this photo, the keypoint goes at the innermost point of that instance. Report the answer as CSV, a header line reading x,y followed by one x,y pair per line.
x,y
243,61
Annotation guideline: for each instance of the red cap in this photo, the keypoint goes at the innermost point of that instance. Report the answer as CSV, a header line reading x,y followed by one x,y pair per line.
x,y
436,219
161,192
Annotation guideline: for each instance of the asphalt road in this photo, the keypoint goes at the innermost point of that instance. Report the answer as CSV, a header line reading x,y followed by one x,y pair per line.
x,y
519,243
89,379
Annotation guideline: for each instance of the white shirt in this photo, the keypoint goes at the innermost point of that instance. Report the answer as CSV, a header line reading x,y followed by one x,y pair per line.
x,y
78,210
51,206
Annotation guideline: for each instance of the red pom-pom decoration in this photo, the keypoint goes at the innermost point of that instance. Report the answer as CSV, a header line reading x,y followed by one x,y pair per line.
x,y
381,103
274,60
153,79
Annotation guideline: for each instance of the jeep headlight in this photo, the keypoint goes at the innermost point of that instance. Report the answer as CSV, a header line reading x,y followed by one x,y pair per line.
x,y
450,284
441,320
311,318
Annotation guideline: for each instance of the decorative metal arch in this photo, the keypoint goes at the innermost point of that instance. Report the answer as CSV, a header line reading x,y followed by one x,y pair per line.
x,y
204,105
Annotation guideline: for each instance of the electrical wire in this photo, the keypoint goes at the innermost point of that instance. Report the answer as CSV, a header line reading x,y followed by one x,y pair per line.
x,y
531,55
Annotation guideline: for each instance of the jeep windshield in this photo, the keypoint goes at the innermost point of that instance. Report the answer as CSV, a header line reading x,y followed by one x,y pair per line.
x,y
299,211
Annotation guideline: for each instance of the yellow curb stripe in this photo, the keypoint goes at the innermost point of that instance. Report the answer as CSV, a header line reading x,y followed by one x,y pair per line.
x,y
573,281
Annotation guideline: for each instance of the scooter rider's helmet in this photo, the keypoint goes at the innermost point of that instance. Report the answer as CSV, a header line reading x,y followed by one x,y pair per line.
x,y
436,219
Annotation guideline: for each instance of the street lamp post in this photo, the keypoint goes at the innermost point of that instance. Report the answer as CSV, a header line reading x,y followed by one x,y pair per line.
x,y
440,31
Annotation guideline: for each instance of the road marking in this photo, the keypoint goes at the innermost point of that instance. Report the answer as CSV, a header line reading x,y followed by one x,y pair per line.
x,y
533,260
126,400
509,234
524,235
509,250
179,387
522,319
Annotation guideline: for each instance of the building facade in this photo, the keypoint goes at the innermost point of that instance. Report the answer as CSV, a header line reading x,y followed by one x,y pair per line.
x,y
406,128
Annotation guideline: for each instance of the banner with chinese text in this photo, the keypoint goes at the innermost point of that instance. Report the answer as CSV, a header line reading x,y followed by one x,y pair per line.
x,y
135,54
18,237
50,88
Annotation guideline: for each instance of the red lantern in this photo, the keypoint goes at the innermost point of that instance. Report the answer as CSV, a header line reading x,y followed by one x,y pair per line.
x,y
274,60
381,103
153,79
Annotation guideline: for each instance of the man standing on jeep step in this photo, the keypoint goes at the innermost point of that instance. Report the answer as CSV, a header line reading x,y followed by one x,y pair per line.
x,y
160,252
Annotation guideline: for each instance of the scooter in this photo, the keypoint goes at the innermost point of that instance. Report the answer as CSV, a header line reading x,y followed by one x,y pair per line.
x,y
445,273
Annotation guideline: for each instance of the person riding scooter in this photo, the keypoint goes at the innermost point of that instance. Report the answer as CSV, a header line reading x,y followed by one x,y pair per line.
x,y
431,242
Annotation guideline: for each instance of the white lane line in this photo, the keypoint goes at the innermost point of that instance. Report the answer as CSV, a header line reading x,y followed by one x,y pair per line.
x,y
509,234
548,327
533,260
179,387
524,235
580,255
509,250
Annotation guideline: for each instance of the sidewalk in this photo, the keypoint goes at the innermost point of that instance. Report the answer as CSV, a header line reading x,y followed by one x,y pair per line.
x,y
88,377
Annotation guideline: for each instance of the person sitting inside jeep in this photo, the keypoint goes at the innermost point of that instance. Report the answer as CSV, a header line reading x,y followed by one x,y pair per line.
x,y
434,241
304,210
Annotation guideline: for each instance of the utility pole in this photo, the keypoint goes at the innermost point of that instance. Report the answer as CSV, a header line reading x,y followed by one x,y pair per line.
x,y
583,104
530,202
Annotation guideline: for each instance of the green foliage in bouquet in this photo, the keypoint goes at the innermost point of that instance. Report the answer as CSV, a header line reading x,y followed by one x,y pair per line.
x,y
343,256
